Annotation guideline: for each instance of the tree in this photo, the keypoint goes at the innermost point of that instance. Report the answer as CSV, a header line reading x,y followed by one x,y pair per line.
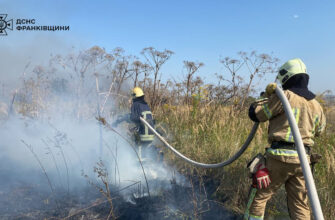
x,y
191,68
254,65
155,60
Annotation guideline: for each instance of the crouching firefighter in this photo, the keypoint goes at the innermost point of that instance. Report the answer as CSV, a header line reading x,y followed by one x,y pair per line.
x,y
139,108
281,164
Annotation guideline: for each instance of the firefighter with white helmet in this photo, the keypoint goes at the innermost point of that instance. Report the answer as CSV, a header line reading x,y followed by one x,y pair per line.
x,y
281,164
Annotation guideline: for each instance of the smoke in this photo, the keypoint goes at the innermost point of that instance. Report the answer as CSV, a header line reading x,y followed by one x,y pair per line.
x,y
16,58
67,149
52,140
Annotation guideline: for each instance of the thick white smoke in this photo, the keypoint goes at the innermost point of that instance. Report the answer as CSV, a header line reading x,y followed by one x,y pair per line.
x,y
66,149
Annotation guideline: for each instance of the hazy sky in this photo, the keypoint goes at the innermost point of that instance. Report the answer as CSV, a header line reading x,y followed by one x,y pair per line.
x,y
195,30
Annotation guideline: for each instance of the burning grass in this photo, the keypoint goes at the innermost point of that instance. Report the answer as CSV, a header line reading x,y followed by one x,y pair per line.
x,y
53,172
24,201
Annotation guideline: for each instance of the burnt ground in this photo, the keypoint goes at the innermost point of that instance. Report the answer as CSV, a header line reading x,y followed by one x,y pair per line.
x,y
23,201
26,195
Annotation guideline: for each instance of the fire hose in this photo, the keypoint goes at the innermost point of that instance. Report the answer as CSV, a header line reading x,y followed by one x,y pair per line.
x,y
311,189
204,165
306,169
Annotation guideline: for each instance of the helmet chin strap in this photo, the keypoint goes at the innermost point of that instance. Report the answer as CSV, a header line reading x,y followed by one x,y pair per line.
x,y
276,80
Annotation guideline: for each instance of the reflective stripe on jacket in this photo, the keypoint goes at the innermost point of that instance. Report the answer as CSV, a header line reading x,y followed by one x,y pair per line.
x,y
147,115
308,114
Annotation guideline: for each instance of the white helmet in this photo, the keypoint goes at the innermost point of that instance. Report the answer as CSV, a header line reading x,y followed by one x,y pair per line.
x,y
291,68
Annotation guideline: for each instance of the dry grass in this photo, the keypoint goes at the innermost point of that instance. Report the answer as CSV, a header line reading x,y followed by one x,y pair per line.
x,y
325,170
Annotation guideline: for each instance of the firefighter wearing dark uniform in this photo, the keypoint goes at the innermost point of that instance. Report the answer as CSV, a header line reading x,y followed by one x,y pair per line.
x,y
139,108
282,164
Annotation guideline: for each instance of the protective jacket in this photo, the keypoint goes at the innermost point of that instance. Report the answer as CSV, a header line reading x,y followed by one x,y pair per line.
x,y
308,115
139,109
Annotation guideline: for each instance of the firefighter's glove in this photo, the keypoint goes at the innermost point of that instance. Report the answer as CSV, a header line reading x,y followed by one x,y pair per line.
x,y
270,89
261,177
101,120
133,128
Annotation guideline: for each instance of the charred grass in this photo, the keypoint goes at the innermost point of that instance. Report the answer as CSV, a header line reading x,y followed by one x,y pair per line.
x,y
179,202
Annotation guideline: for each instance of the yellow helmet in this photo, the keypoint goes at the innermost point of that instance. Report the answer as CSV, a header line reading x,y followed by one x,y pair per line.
x,y
291,68
137,92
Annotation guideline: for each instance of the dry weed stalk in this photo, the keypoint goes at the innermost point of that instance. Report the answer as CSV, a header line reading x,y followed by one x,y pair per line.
x,y
58,144
54,160
102,173
42,167
115,160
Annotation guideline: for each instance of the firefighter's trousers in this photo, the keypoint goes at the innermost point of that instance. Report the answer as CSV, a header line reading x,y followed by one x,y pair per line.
x,y
292,177
143,149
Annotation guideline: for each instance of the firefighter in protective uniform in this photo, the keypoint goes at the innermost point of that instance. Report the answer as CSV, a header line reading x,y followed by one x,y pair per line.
x,y
139,108
281,165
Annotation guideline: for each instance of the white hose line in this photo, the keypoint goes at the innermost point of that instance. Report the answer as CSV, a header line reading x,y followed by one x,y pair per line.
x,y
311,189
203,165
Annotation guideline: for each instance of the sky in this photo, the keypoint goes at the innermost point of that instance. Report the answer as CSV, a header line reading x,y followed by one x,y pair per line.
x,y
196,30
